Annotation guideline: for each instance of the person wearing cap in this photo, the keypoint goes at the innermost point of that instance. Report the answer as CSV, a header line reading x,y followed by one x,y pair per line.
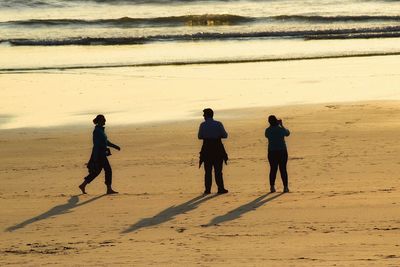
x,y
212,152
277,152
98,159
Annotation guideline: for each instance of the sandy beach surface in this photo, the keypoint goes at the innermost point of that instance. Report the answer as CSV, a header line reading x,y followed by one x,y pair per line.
x,y
343,209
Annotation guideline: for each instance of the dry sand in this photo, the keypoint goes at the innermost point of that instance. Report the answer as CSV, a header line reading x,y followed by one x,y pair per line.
x,y
343,208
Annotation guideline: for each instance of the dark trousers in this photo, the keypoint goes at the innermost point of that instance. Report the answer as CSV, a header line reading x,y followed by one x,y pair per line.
x,y
208,166
95,171
277,159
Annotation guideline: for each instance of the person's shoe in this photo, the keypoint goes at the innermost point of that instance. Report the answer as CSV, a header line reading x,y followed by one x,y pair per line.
x,y
82,188
207,192
272,189
223,191
286,190
110,192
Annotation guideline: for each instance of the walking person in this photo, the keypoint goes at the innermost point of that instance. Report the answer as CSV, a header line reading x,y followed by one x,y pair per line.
x,y
277,152
98,159
212,152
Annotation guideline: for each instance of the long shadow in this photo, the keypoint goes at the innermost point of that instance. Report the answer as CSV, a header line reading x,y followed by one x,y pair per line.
x,y
169,213
238,212
72,203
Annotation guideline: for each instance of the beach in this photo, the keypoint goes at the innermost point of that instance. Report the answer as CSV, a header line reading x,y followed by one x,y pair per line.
x,y
342,209
329,69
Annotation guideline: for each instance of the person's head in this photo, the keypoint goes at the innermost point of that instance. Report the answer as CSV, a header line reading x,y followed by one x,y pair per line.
x,y
100,120
208,113
273,121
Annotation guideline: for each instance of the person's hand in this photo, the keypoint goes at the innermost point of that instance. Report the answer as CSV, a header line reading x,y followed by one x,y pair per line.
x,y
117,147
280,122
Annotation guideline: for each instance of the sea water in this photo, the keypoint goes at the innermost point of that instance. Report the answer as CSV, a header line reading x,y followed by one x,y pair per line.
x,y
64,61
153,28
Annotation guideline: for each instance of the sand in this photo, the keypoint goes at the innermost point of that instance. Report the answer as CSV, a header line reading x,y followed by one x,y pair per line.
x,y
343,208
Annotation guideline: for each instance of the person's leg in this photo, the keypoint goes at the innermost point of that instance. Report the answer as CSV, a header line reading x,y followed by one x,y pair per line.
x,y
108,177
207,176
282,169
93,173
218,164
108,172
273,163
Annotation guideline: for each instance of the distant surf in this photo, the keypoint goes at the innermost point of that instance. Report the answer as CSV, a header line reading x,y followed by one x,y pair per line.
x,y
352,33
195,20
154,31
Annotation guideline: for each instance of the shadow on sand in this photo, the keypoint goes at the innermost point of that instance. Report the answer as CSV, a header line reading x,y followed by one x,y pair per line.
x,y
169,213
72,203
238,212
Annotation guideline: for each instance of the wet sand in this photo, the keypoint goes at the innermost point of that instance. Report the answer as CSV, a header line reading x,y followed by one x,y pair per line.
x,y
165,93
342,210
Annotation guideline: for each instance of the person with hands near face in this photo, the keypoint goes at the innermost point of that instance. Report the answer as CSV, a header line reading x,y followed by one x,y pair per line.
x,y
277,152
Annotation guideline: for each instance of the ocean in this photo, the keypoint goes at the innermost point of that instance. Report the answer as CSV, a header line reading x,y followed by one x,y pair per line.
x,y
138,61
287,29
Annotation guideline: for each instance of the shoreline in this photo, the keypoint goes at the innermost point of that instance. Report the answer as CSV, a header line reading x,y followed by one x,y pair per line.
x,y
223,114
188,63
170,93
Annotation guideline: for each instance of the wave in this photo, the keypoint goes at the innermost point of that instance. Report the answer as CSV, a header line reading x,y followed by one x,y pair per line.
x,y
30,4
199,62
353,33
189,20
330,19
196,20
67,3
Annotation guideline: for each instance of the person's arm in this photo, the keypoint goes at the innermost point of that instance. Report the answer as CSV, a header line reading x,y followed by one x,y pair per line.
x,y
97,139
98,144
266,133
286,132
113,145
200,133
224,134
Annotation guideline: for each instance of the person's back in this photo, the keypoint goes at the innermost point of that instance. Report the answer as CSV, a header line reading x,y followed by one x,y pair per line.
x,y
276,137
211,129
277,151
99,141
212,152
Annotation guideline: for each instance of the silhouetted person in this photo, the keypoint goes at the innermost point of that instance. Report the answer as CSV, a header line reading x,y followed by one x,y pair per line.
x,y
98,159
277,152
212,152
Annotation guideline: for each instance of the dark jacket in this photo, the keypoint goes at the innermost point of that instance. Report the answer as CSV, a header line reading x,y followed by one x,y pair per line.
x,y
212,150
100,148
276,137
